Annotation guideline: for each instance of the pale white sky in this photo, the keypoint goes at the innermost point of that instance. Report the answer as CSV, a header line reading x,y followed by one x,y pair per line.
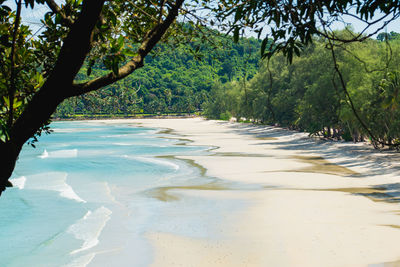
x,y
359,26
32,18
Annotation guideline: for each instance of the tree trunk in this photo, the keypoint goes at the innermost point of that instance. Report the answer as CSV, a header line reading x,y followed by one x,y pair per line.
x,y
8,156
57,87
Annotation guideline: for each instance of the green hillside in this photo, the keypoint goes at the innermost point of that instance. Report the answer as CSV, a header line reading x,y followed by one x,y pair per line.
x,y
173,80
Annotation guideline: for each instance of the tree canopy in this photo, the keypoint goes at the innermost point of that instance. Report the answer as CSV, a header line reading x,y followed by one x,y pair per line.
x,y
307,94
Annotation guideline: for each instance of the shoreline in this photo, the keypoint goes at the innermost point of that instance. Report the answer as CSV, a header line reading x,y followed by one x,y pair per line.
x,y
168,117
124,117
287,199
298,198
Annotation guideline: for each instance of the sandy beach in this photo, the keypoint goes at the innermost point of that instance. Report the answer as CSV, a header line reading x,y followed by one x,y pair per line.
x,y
305,201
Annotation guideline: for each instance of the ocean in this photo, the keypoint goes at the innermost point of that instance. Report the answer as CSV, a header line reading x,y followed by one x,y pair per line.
x,y
90,191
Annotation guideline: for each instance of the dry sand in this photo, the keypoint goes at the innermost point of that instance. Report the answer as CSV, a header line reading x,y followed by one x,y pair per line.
x,y
307,202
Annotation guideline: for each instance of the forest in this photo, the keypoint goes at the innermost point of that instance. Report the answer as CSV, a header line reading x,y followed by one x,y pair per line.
x,y
174,79
308,95
230,80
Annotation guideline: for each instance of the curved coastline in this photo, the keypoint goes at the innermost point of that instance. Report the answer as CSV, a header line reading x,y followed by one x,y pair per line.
x,y
255,196
321,204
158,202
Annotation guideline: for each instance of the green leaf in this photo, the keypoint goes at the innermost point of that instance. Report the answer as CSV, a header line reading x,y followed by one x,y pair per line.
x,y
7,101
120,43
129,52
57,19
39,80
89,70
115,67
3,132
16,103
113,18
264,45
29,3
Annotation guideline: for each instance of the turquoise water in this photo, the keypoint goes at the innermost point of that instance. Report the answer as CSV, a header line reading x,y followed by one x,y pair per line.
x,y
80,198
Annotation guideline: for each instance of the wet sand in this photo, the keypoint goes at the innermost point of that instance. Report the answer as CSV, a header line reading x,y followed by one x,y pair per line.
x,y
306,202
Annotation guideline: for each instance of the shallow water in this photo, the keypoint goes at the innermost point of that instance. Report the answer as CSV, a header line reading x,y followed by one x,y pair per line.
x,y
81,198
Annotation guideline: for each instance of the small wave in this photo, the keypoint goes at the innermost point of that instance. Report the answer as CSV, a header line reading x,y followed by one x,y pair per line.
x,y
81,261
67,192
73,130
113,135
122,144
89,228
53,181
154,161
65,153
137,144
67,130
148,132
19,182
44,155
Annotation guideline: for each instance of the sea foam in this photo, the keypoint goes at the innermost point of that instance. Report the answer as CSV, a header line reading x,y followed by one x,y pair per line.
x,y
154,161
73,130
149,132
19,182
53,181
122,144
65,153
89,228
44,155
81,261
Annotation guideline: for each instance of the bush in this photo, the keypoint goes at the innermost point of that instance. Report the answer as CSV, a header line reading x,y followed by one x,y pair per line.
x,y
226,116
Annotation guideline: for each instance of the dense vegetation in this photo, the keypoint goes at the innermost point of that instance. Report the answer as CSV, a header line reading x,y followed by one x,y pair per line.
x,y
173,80
308,95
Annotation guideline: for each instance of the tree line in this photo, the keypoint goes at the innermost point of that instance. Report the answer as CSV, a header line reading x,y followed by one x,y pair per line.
x,y
357,100
174,79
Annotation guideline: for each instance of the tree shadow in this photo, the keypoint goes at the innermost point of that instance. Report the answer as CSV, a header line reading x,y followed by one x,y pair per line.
x,y
362,156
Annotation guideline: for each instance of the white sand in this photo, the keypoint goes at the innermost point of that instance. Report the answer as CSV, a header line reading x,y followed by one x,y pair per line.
x,y
303,211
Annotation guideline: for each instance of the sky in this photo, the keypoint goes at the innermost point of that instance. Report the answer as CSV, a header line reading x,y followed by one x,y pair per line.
x,y
359,26
32,18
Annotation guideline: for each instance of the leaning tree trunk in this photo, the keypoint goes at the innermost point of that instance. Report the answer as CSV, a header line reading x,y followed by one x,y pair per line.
x,y
8,156
33,118
76,46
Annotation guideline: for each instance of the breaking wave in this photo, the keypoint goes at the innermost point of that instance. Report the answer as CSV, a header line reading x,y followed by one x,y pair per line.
x,y
53,181
65,153
89,228
19,182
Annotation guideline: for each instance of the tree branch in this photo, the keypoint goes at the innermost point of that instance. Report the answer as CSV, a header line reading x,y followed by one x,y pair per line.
x,y
148,43
161,11
56,9
359,37
388,56
143,11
